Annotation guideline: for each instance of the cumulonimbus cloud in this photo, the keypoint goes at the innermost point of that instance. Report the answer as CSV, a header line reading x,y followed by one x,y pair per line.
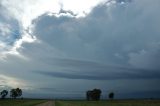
x,y
24,12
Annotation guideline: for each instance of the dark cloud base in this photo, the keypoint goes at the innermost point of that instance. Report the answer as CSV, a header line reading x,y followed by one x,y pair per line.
x,y
92,76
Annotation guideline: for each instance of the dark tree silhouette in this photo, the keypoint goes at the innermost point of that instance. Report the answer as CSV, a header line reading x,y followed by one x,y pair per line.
x,y
111,95
3,94
94,94
14,93
88,95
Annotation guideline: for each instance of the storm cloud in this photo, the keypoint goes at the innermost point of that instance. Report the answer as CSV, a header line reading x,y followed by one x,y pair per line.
x,y
118,35
111,44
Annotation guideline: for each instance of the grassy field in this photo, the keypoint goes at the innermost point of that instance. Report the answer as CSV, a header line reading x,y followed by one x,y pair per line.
x,y
110,103
82,103
9,102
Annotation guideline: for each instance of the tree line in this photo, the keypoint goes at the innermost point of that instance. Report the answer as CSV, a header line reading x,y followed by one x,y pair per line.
x,y
95,95
14,93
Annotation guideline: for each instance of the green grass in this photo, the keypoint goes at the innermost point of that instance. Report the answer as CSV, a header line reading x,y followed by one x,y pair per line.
x,y
110,103
16,102
31,102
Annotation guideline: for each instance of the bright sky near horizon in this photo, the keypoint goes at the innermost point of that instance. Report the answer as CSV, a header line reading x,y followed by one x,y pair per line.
x,y
62,48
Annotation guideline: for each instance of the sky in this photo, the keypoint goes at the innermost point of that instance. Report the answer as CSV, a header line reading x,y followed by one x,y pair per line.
x,y
62,48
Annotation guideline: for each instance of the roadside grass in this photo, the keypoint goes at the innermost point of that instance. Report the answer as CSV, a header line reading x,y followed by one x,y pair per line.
x,y
18,102
110,103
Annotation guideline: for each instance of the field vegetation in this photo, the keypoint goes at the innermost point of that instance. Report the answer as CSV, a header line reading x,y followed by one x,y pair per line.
x,y
110,103
19,102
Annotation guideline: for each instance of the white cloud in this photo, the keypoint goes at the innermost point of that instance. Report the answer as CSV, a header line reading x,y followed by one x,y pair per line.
x,y
27,10
4,29
80,6
7,81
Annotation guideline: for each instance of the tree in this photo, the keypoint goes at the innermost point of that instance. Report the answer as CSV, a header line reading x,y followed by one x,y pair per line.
x,y
96,93
3,94
14,93
88,95
111,95
93,94
19,92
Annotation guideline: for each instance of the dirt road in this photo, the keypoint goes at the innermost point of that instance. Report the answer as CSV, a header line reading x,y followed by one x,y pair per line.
x,y
49,103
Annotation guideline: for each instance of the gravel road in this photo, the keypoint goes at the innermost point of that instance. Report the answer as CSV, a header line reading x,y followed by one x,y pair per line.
x,y
49,103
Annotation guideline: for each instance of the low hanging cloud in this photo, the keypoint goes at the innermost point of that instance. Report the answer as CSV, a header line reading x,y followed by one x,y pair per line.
x,y
147,59
76,69
115,76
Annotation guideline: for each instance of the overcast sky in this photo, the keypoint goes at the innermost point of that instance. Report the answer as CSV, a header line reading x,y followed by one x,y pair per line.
x,y
62,48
